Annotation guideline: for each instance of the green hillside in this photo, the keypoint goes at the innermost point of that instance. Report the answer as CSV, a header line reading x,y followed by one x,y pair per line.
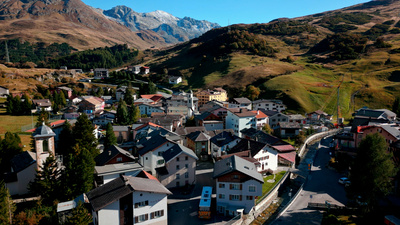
x,y
301,61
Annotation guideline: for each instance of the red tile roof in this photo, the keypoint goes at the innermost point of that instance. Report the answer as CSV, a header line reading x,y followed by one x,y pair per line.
x,y
147,124
260,114
53,124
148,175
289,156
284,148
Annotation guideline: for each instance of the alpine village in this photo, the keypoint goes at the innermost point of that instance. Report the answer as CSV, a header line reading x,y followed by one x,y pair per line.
x,y
113,117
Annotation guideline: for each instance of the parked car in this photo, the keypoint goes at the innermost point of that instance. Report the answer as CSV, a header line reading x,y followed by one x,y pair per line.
x,y
345,181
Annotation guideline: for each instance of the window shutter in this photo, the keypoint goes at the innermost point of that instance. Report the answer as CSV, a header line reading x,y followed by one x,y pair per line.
x,y
230,197
136,219
240,187
162,212
231,186
146,216
240,198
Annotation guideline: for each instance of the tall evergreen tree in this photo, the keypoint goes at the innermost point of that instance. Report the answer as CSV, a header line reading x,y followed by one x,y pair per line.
x,y
78,176
396,106
47,182
10,146
128,97
372,171
134,114
7,207
110,137
83,133
122,113
66,140
26,105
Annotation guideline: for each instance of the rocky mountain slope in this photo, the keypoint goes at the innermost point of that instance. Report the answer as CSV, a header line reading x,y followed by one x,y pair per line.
x,y
69,21
301,60
171,28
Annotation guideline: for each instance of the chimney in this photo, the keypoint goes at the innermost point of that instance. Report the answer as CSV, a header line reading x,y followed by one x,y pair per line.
x,y
248,144
109,152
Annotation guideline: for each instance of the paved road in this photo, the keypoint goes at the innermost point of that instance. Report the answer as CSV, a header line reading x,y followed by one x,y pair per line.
x,y
321,185
182,209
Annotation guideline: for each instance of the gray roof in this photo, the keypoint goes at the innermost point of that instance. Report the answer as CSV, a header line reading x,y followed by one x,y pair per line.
x,y
23,160
296,117
152,143
223,138
198,136
43,131
111,153
235,163
118,168
242,100
392,129
112,191
289,125
120,128
176,150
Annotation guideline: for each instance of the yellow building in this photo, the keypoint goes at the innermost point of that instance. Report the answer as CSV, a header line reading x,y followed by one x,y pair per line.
x,y
218,94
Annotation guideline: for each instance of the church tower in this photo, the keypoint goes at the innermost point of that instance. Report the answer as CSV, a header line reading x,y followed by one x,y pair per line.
x,y
44,144
190,104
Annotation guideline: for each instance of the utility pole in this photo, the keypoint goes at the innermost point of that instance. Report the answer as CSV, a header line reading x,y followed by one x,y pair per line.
x,y
7,55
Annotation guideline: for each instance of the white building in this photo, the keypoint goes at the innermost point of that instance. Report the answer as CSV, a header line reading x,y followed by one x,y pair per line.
x,y
240,103
150,152
148,109
129,200
269,104
238,184
175,79
238,119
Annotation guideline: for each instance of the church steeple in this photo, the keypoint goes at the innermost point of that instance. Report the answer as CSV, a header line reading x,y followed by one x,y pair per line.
x,y
44,143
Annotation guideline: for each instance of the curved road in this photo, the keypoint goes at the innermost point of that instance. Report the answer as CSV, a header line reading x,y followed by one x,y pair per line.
x,y
321,185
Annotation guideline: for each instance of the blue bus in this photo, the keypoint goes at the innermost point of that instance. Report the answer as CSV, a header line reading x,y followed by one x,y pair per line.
x,y
205,203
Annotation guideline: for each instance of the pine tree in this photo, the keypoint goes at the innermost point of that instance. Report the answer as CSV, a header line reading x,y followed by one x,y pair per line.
x,y
396,106
122,113
10,146
66,140
78,176
47,181
80,216
134,114
110,137
83,133
128,97
373,170
7,207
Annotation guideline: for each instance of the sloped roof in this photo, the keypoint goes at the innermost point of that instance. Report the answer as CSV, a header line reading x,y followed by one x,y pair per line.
x,y
43,131
363,121
118,168
245,144
284,148
176,150
289,156
242,100
269,112
263,137
235,163
259,114
187,130
241,112
223,138
147,124
112,191
110,153
198,136
42,102
289,125
23,160
152,143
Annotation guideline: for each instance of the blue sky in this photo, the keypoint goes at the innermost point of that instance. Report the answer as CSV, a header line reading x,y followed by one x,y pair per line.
x,y
226,12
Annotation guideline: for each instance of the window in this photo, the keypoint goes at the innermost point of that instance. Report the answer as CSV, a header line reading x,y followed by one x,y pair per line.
x,y
186,165
221,185
177,167
178,176
235,187
119,159
235,177
177,158
156,214
160,153
186,175
249,197
141,218
161,161
186,158
252,188
221,196
141,204
235,197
